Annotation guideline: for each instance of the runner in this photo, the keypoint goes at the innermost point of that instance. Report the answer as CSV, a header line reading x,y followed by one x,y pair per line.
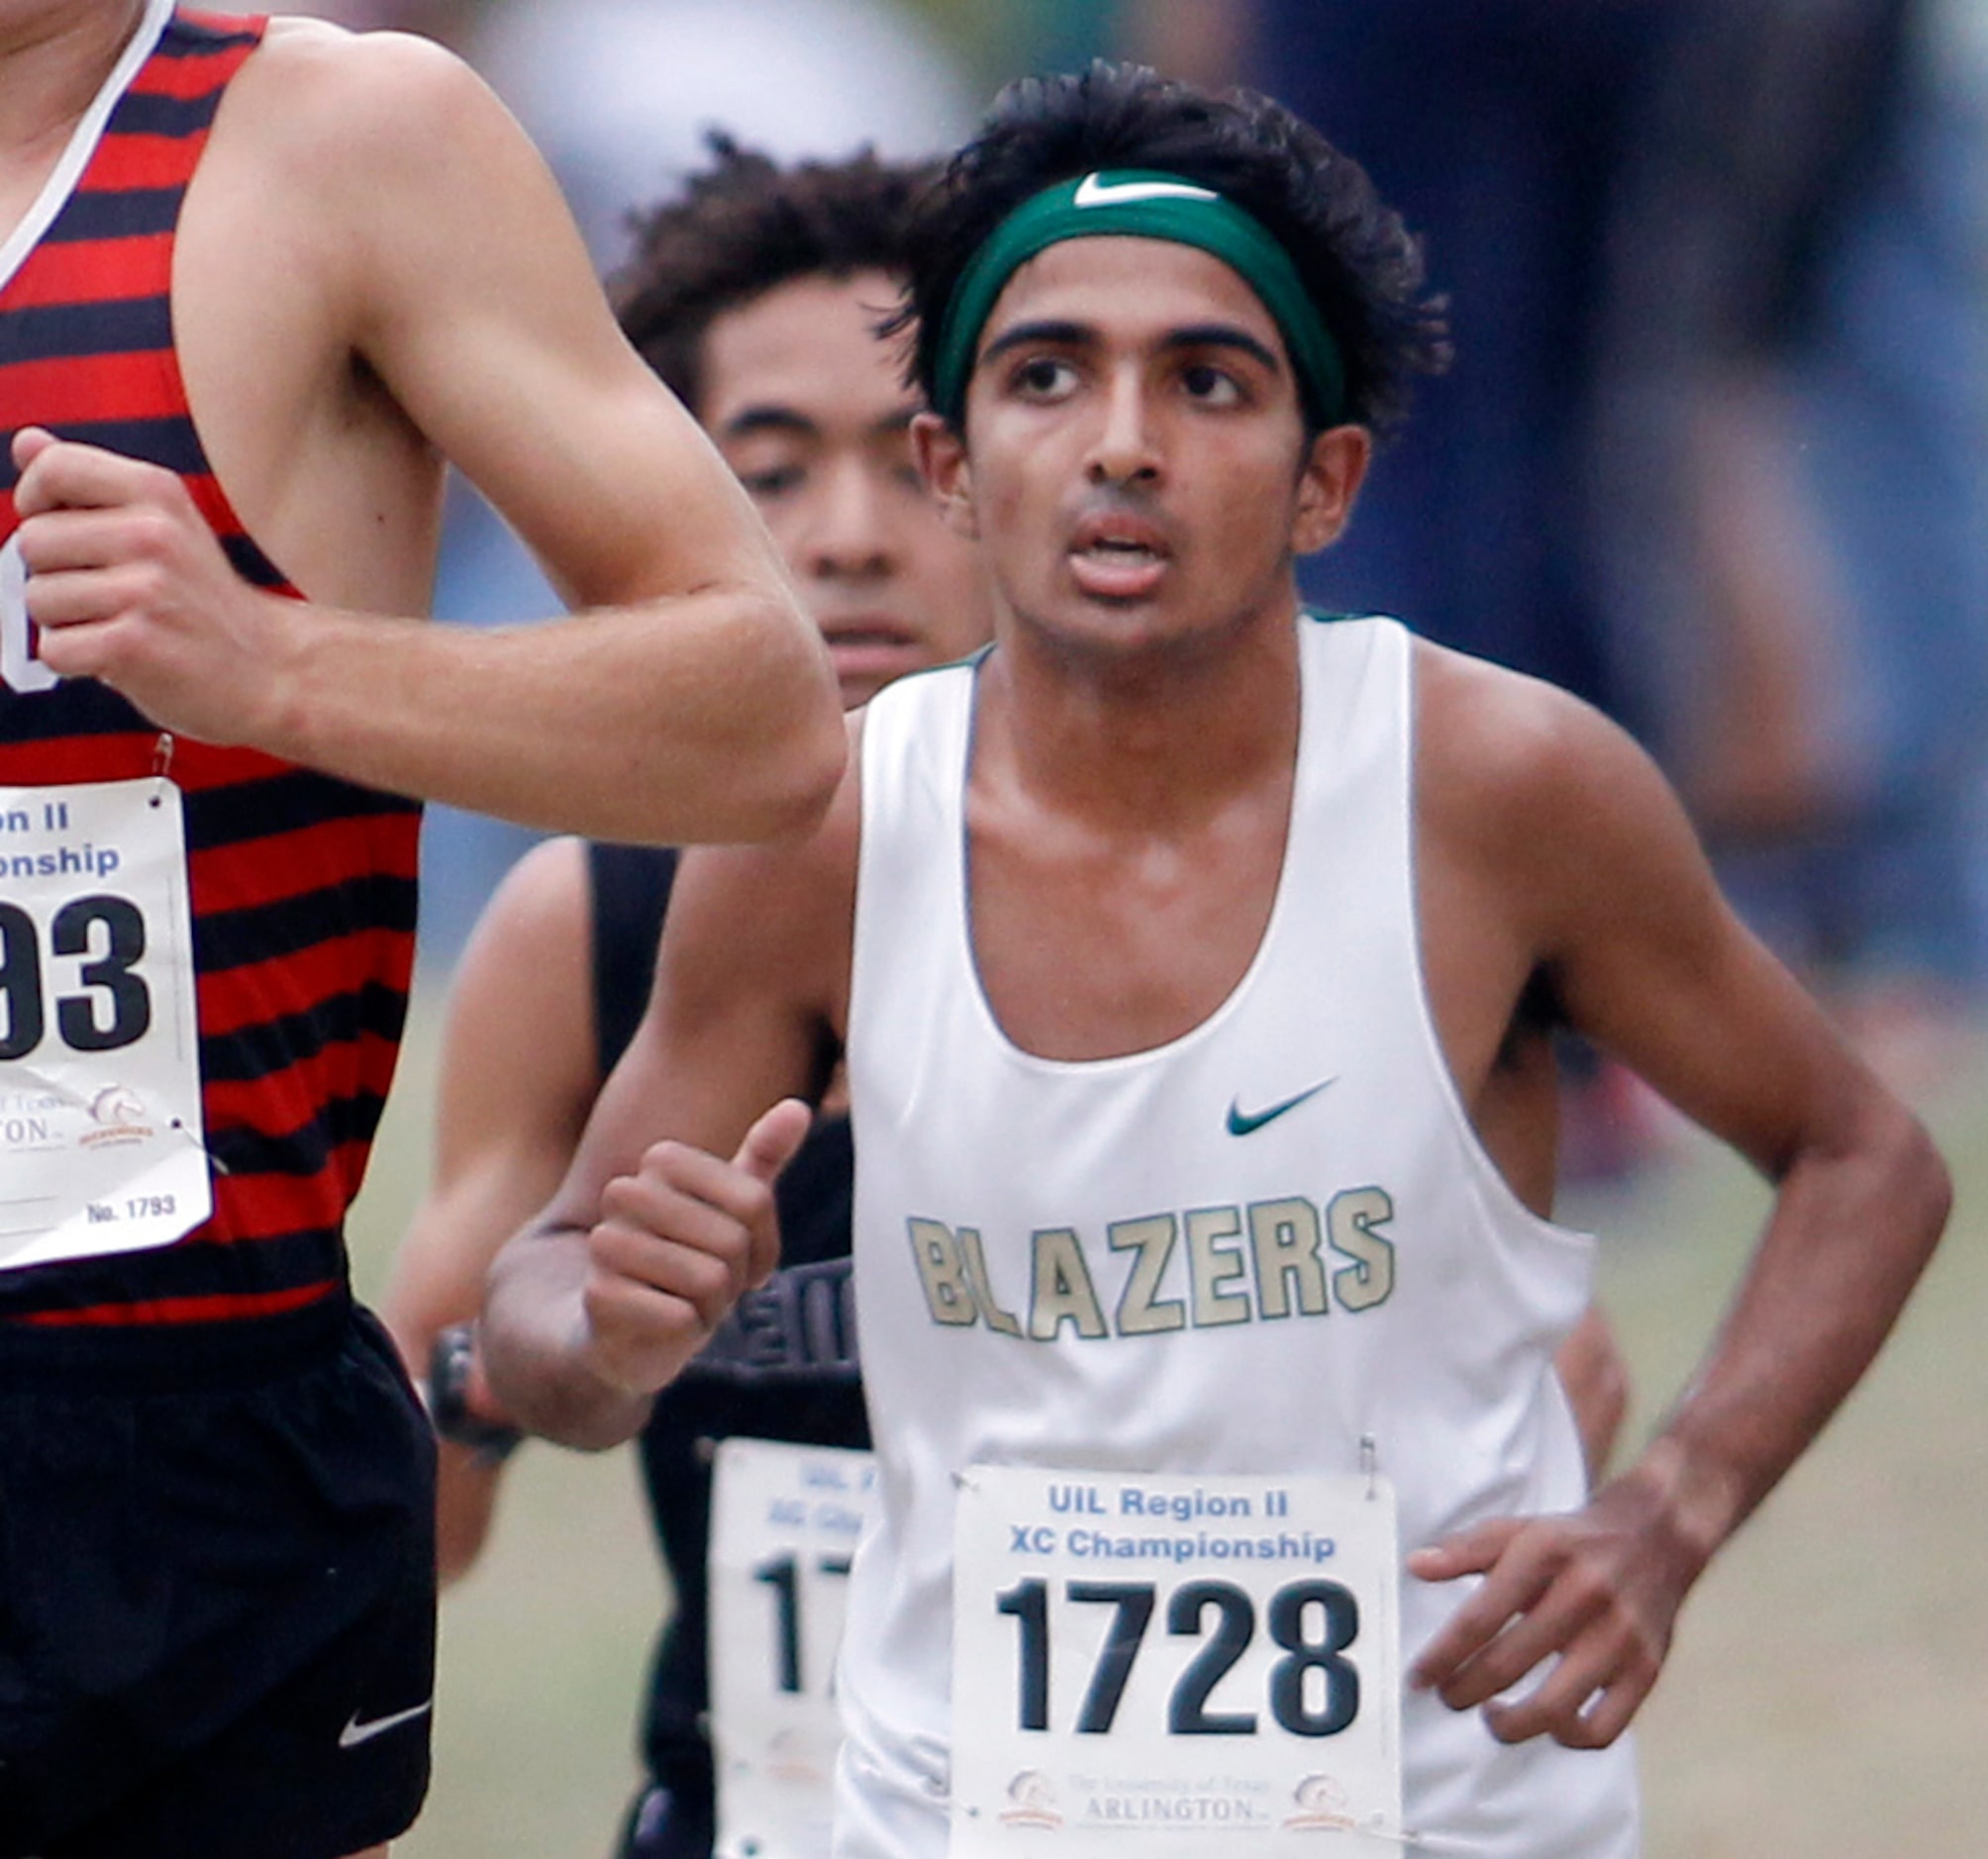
x,y
1198,973
256,280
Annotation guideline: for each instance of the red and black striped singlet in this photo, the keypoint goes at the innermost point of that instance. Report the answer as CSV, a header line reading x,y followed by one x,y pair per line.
x,y
302,887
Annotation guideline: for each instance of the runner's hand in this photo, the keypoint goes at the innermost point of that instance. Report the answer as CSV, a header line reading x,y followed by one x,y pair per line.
x,y
128,584
1596,1593
678,1244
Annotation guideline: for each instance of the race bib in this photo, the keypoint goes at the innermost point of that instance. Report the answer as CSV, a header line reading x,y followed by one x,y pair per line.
x,y
784,1523
100,1124
19,666
1174,1666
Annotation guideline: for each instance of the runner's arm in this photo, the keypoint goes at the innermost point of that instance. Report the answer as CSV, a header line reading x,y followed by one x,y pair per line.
x,y
690,699
1650,964
651,1237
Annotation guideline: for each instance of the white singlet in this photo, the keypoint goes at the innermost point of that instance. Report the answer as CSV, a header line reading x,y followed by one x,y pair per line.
x,y
1249,1250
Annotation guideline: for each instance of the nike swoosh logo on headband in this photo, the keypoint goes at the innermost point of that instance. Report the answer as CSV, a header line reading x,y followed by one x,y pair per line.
x,y
1094,191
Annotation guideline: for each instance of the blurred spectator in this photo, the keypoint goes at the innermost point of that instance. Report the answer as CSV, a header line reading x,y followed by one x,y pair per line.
x,y
1794,481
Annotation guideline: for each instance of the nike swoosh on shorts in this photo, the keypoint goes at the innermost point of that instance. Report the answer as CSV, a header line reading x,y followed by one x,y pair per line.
x,y
364,1730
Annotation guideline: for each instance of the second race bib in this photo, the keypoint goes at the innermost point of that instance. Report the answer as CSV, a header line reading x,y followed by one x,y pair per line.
x,y
784,1523
1177,1666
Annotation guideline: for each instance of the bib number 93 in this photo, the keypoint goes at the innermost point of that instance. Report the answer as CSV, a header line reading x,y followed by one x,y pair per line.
x,y
106,936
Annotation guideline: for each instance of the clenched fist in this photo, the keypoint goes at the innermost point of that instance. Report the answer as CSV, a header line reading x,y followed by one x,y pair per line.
x,y
127,584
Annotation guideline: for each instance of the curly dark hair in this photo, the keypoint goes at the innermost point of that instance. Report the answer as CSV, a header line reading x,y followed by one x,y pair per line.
x,y
1362,266
743,225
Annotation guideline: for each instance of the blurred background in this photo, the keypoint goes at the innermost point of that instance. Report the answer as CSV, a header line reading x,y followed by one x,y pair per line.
x,y
1714,453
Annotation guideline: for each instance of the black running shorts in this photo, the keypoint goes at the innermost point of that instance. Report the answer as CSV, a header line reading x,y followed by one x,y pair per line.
x,y
217,1591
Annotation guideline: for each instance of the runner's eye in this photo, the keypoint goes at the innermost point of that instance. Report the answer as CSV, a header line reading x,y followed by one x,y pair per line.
x,y
774,481
1044,377
1215,387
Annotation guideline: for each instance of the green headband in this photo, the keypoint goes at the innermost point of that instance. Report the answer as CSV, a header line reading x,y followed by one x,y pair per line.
x,y
1140,202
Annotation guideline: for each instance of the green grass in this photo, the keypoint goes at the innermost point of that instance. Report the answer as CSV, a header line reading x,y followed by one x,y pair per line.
x,y
1826,1697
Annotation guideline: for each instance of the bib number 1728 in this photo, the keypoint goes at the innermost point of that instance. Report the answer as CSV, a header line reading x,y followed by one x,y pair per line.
x,y
1174,1664
1311,1689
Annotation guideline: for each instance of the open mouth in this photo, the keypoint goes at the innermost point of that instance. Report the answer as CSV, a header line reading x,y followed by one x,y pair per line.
x,y
1114,556
1119,531
1122,549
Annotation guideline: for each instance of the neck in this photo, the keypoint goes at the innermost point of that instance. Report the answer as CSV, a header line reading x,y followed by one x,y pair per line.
x,y
1150,742
55,56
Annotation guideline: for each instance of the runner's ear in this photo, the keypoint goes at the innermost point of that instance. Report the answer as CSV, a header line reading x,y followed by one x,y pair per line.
x,y
1328,486
941,458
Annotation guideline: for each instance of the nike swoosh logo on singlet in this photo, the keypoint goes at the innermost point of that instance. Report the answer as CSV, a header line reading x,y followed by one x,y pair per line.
x,y
1241,1123
359,1730
1095,192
